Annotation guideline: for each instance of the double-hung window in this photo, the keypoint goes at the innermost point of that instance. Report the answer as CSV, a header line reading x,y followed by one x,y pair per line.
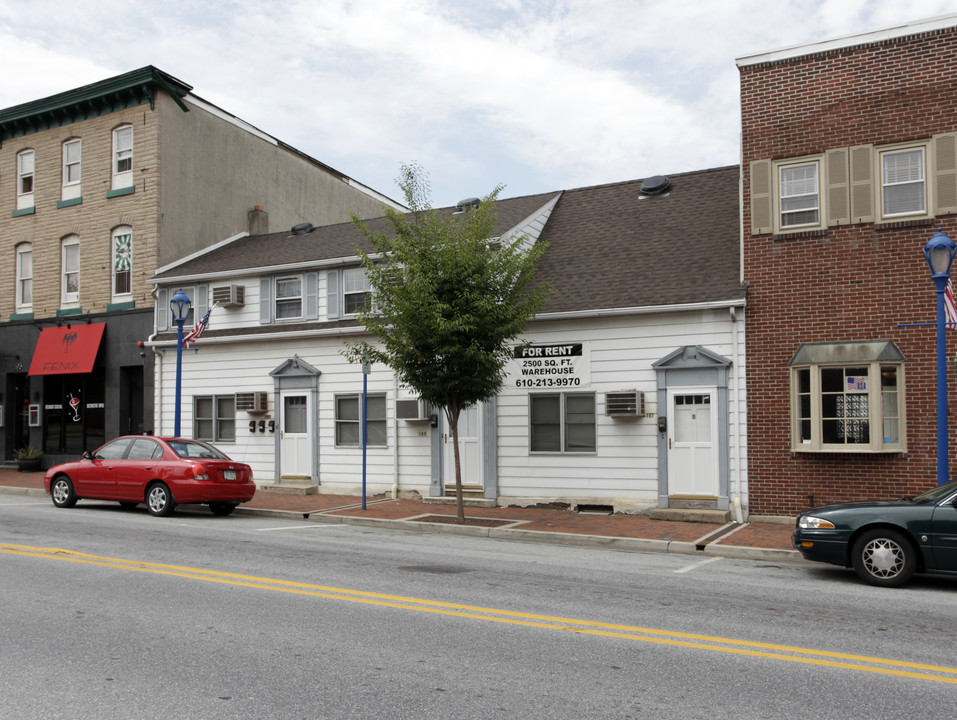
x,y
847,398
70,289
122,251
289,297
26,165
72,151
349,420
214,418
800,195
24,277
123,157
903,182
356,291
562,422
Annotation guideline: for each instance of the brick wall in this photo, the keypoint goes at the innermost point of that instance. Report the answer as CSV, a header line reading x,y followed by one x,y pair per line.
x,y
858,282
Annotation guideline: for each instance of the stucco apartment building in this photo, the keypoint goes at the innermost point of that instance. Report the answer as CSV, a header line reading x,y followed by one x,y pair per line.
x,y
101,185
849,162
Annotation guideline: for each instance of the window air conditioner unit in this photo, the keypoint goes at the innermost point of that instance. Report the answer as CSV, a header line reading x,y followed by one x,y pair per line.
x,y
411,410
625,403
252,402
229,296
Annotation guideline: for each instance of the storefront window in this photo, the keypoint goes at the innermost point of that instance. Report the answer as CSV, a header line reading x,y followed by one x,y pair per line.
x,y
74,413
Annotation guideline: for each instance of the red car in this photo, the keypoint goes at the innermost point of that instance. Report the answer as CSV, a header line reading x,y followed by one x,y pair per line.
x,y
162,472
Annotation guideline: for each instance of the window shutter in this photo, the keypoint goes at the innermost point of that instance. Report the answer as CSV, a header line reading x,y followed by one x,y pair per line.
x,y
265,301
162,310
862,183
332,294
945,171
761,197
311,304
838,203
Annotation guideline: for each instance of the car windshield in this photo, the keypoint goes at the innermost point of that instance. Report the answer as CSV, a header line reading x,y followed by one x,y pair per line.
x,y
196,449
935,493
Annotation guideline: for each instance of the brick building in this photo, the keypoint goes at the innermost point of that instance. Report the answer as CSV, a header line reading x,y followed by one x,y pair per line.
x,y
102,185
849,161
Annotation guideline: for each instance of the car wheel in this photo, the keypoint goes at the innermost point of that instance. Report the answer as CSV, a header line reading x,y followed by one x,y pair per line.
x,y
885,558
62,492
159,500
222,509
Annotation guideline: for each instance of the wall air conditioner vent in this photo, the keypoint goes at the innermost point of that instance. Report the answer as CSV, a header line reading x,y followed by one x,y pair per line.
x,y
411,410
229,296
625,403
252,402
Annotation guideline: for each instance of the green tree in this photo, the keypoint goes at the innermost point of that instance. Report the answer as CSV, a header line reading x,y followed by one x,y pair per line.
x,y
450,298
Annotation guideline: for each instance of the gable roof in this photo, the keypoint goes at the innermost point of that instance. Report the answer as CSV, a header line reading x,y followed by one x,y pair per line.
x,y
609,248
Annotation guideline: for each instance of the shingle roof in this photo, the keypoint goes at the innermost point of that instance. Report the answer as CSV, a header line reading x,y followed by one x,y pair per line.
x,y
607,248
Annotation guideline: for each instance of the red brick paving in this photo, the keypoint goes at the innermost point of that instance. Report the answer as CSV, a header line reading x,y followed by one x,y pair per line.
x,y
760,535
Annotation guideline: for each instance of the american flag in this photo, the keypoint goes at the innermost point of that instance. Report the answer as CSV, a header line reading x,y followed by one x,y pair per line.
x,y
950,307
197,330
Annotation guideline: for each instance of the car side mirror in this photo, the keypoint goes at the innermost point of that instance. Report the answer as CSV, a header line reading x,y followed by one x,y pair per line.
x,y
86,455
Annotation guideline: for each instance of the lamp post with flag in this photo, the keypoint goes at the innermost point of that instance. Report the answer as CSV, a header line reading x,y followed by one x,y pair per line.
x,y
179,304
939,253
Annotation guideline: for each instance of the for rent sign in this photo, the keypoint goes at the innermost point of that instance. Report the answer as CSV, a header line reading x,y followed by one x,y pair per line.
x,y
550,367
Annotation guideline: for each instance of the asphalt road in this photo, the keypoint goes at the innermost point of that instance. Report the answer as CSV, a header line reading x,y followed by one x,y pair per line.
x,y
116,614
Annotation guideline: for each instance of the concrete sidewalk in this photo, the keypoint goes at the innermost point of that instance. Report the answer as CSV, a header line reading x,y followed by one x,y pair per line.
x,y
758,540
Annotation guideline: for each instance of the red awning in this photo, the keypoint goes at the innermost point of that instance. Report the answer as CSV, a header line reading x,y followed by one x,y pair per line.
x,y
63,350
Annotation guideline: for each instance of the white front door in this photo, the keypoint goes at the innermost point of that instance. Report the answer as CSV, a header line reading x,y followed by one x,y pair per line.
x,y
470,449
295,443
692,451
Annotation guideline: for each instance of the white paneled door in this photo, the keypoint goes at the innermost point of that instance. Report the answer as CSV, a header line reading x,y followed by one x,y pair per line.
x,y
295,443
692,451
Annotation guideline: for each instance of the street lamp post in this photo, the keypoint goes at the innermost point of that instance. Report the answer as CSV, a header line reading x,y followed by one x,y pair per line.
x,y
939,252
179,304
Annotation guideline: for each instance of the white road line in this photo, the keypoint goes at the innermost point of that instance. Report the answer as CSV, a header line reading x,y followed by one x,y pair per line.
x,y
698,564
298,527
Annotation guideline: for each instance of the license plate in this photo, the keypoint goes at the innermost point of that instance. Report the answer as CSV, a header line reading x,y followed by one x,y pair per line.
x,y
229,474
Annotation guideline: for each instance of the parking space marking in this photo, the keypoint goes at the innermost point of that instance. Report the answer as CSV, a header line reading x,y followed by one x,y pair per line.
x,y
694,566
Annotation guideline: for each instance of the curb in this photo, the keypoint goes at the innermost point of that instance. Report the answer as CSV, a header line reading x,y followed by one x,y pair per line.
x,y
609,542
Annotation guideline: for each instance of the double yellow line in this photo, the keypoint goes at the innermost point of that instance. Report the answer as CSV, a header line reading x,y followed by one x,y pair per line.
x,y
787,653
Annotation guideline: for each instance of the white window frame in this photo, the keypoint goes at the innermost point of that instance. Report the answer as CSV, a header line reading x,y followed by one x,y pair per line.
x,y
812,395
288,300
222,420
782,198
778,199
376,421
886,153
70,269
122,157
26,179
24,277
563,422
72,168
355,284
120,260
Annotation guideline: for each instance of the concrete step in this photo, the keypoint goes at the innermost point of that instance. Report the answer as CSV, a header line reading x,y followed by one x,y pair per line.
x,y
691,515
287,487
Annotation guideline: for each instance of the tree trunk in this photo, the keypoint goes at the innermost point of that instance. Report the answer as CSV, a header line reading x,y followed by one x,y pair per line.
x,y
453,418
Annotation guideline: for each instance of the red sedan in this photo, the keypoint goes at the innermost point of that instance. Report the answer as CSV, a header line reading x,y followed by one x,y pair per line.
x,y
162,472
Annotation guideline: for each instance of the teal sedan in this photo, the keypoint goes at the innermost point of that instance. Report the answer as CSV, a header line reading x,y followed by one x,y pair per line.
x,y
885,542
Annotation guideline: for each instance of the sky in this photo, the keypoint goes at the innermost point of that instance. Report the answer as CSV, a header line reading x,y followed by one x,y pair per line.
x,y
532,95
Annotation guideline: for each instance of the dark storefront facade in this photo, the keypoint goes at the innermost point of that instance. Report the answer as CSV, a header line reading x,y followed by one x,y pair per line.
x,y
71,383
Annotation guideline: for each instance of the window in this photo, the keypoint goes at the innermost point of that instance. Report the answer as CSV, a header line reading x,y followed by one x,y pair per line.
x,y
854,406
902,182
123,157
70,291
288,297
145,449
800,204
25,170
24,277
71,169
562,422
122,244
356,291
190,315
348,421
214,418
